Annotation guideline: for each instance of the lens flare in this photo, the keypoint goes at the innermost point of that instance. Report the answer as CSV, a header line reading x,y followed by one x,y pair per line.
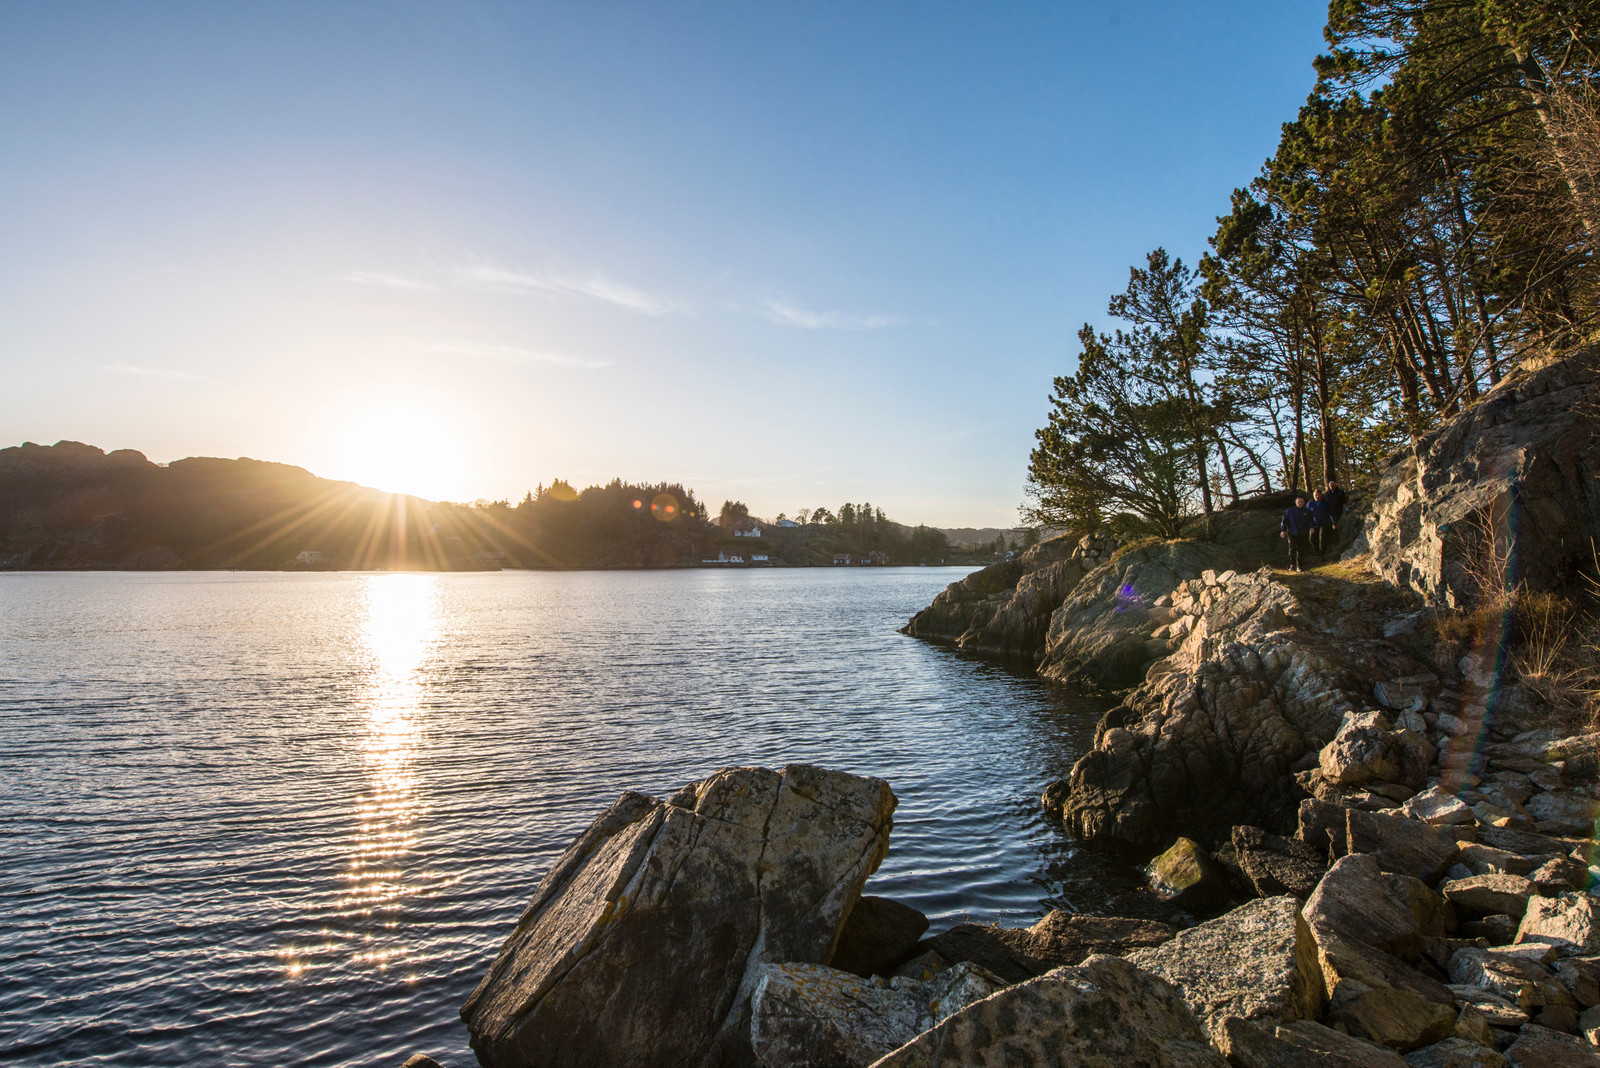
x,y
664,507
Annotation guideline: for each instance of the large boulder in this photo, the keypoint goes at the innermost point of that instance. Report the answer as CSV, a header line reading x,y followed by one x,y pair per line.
x,y
1394,913
643,941
1103,1013
1061,938
1524,459
810,1016
1277,866
1258,962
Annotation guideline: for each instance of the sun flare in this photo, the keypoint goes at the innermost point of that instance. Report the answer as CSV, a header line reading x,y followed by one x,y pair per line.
x,y
400,448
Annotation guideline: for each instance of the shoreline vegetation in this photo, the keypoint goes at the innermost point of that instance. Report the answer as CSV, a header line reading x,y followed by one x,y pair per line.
x,y
71,506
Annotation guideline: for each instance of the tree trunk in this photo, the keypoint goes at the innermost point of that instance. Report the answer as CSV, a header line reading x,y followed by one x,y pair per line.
x,y
1584,196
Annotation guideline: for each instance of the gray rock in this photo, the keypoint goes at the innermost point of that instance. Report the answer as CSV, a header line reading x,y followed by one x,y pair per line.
x,y
1406,847
1581,976
1526,984
1368,748
878,934
1526,449
1299,1044
1439,807
1258,962
1103,1013
1540,1047
1489,894
1568,920
1392,912
924,965
1455,1053
1277,866
1496,1010
643,941
1563,812
1061,938
810,1016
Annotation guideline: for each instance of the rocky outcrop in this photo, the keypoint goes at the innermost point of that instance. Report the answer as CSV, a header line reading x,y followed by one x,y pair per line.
x,y
1104,1013
1005,609
1262,671
1524,459
643,942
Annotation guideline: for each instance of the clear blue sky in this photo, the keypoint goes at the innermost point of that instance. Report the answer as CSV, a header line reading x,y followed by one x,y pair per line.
x,y
794,254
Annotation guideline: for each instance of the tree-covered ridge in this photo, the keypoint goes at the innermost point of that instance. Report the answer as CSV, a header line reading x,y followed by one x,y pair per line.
x,y
73,506
1427,221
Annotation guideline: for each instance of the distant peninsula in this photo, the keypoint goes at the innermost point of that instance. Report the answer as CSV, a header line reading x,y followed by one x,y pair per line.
x,y
72,506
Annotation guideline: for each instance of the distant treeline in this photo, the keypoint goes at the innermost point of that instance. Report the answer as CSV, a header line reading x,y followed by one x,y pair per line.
x,y
1428,221
72,506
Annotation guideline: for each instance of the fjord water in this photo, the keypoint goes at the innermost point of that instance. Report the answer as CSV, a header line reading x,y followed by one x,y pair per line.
x,y
266,819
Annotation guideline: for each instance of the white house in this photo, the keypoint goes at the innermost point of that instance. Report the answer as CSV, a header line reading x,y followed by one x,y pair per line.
x,y
310,558
753,532
787,523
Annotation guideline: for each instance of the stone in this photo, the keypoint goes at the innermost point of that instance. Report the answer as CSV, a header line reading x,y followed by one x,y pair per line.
x,y
1563,812
1400,696
1277,866
924,965
1400,845
811,1016
420,1060
1489,894
1258,962
1562,1018
1398,1019
1437,806
1526,449
1581,977
1559,874
1345,961
1392,912
1018,953
1526,984
1368,748
1103,1013
1540,1047
1527,843
1474,1027
1589,1025
1497,929
1487,860
878,934
1299,1044
1496,1010
1455,1053
1567,920
643,941
1187,875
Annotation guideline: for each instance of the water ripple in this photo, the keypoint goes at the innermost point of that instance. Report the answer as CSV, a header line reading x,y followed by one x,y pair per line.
x,y
257,819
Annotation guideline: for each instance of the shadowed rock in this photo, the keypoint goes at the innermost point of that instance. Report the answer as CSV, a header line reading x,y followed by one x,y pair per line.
x,y
1104,1013
1061,938
643,941
879,934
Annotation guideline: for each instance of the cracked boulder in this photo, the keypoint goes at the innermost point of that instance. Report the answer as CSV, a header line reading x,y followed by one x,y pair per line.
x,y
644,940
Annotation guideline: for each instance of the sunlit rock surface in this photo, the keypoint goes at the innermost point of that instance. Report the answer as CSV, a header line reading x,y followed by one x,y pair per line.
x,y
644,941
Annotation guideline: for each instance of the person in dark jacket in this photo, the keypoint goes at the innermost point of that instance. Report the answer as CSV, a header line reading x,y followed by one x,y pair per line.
x,y
1321,524
1334,498
1296,530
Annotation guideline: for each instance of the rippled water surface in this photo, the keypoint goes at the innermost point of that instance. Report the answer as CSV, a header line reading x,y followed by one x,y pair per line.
x,y
266,819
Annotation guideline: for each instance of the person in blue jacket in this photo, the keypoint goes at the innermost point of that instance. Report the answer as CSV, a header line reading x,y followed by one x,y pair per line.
x,y
1321,524
1296,529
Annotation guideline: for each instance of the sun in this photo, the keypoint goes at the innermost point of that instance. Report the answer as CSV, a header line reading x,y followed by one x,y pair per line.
x,y
399,448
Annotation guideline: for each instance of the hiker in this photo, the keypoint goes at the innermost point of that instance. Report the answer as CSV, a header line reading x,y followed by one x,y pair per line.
x,y
1296,529
1333,497
1321,524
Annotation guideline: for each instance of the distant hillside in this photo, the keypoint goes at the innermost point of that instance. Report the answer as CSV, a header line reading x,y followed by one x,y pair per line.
x,y
71,506
980,535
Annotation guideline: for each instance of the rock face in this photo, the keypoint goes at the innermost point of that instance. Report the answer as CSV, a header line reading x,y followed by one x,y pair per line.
x,y
643,942
809,1016
1263,674
1104,1013
1258,962
1061,938
1524,458
879,934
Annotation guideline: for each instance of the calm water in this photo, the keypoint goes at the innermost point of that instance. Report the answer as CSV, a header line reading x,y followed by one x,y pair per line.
x,y
287,819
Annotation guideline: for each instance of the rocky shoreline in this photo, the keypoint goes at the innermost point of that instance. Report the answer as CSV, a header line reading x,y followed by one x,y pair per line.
x,y
1392,844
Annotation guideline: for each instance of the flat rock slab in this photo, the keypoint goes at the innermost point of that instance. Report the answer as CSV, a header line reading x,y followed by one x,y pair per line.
x,y
642,943
1258,962
1540,1047
1490,894
1301,1044
1392,912
1061,938
1568,920
810,1016
1103,1013
1401,845
1277,866
1455,1053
